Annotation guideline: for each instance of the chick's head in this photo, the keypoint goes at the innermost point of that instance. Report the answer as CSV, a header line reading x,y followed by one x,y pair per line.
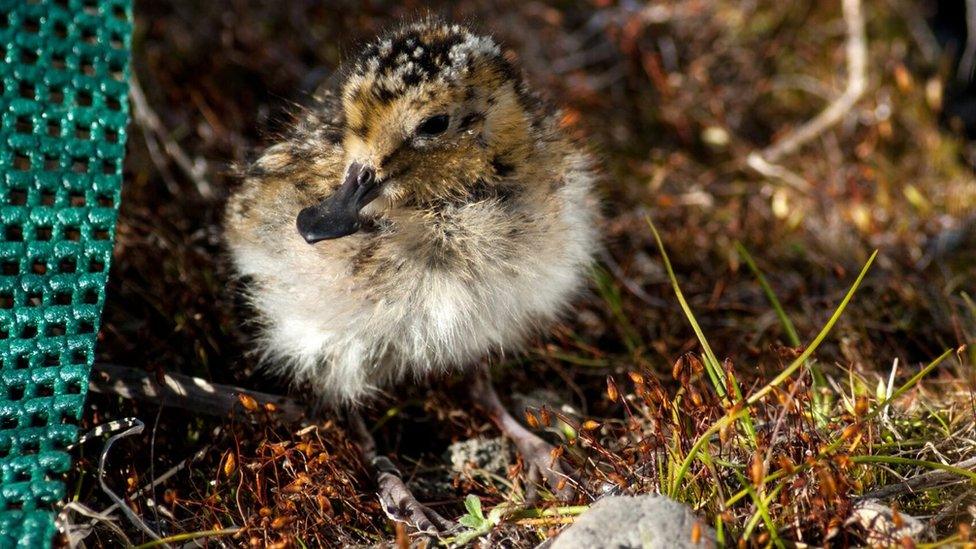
x,y
429,111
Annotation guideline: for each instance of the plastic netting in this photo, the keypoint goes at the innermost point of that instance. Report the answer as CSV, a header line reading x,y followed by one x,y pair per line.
x,y
64,109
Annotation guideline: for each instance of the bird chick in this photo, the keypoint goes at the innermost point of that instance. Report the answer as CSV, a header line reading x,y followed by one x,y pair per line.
x,y
425,212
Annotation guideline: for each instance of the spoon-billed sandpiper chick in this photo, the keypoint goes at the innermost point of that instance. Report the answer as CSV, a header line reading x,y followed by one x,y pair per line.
x,y
425,212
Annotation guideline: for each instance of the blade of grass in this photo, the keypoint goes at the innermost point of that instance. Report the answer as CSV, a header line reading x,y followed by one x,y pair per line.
x,y
696,448
950,541
800,360
969,303
768,479
762,511
770,295
712,367
762,504
187,536
868,418
719,530
715,372
821,404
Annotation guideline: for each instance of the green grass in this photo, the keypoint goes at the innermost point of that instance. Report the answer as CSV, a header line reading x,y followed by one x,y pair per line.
x,y
715,372
842,435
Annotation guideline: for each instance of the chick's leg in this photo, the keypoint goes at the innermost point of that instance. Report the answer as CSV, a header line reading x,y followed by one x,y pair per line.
x,y
536,453
396,499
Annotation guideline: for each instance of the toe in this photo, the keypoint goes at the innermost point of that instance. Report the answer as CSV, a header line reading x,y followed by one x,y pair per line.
x,y
423,524
555,473
442,525
400,506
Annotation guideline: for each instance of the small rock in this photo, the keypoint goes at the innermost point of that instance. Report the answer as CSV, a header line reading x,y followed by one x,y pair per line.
x,y
649,521
883,526
493,455
476,457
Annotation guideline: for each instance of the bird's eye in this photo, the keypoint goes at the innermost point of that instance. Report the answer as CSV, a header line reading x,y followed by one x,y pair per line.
x,y
434,125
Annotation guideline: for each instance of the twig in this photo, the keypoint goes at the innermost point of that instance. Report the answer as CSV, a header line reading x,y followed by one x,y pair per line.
x,y
758,163
919,28
198,455
924,480
629,284
546,521
133,518
76,533
186,392
764,162
152,464
952,507
968,59
856,84
156,134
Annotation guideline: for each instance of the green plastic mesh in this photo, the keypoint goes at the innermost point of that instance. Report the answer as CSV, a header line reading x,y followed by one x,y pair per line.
x,y
64,109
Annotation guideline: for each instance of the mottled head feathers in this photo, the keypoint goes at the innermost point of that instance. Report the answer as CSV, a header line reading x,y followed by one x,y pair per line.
x,y
434,109
429,51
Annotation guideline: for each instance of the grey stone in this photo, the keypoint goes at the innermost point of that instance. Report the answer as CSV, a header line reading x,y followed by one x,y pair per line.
x,y
881,527
492,455
649,521
483,458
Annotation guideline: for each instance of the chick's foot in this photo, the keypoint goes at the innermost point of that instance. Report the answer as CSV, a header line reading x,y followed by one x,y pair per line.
x,y
541,461
396,499
400,505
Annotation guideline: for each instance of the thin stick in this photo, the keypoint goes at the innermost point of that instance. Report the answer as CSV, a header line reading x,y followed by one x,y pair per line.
x,y
186,392
198,455
919,28
968,60
952,469
764,162
76,533
133,518
547,521
924,480
631,286
154,130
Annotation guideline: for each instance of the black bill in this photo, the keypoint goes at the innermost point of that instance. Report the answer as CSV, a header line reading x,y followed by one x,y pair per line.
x,y
338,215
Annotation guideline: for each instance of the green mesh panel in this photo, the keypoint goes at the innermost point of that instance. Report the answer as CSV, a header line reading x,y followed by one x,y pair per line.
x,y
64,108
